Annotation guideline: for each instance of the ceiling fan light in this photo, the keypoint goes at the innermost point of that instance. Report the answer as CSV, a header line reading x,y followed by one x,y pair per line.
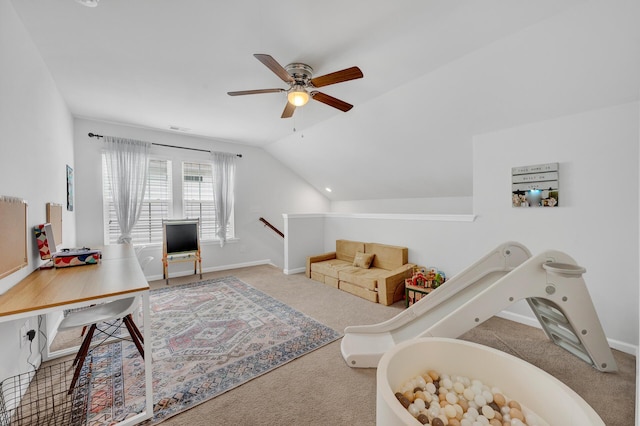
x,y
298,96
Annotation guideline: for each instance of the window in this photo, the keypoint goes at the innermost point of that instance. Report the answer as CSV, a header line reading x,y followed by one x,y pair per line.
x,y
156,206
195,201
198,199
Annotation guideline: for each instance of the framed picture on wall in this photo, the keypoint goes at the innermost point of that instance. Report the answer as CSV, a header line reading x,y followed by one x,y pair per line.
x,y
69,188
535,186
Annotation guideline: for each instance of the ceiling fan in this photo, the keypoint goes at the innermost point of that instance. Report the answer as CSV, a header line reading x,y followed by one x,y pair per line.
x,y
301,84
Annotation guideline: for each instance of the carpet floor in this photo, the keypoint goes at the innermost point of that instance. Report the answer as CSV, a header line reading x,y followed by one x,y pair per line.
x,y
207,337
320,389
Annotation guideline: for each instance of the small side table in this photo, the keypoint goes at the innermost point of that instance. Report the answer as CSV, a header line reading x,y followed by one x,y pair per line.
x,y
414,293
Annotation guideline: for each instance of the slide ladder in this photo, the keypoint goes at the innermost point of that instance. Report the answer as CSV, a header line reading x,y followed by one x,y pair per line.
x,y
551,283
560,329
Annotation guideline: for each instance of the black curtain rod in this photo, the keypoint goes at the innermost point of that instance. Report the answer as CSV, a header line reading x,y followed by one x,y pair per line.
x,y
93,135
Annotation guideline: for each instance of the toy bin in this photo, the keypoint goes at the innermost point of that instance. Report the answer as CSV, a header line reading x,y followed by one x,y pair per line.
x,y
551,400
43,398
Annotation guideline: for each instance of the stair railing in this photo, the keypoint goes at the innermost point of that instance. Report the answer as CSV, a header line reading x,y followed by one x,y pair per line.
x,y
273,228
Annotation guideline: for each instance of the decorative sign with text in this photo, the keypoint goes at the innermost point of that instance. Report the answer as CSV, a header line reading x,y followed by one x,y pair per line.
x,y
535,186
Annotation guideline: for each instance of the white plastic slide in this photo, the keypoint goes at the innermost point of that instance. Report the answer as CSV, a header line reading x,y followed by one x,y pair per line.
x,y
551,283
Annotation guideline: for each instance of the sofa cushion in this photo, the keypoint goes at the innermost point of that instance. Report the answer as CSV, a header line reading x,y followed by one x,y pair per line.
x,y
363,260
386,256
359,291
333,282
330,267
346,250
317,276
365,278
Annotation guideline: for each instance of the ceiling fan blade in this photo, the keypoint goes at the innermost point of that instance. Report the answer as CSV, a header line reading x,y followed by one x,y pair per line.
x,y
255,92
289,108
331,101
274,66
337,77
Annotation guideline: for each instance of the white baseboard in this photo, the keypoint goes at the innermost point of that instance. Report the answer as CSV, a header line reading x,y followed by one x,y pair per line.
x,y
153,277
522,319
214,269
623,347
533,322
294,271
238,265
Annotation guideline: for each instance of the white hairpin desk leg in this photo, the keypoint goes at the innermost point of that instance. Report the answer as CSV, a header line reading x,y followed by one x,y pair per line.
x,y
148,376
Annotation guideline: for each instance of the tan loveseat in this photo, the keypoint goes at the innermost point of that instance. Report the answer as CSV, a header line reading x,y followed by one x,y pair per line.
x,y
381,282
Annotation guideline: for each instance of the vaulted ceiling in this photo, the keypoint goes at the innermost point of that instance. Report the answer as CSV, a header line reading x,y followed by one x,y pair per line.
x,y
435,74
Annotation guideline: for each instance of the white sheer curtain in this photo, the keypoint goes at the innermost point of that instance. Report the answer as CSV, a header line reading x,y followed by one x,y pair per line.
x,y
128,163
224,174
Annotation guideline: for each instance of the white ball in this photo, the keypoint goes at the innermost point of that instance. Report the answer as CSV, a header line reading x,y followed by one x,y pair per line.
x,y
413,410
479,399
483,420
469,394
421,382
473,413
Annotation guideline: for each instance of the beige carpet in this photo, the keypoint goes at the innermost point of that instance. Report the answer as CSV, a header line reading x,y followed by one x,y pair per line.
x,y
320,389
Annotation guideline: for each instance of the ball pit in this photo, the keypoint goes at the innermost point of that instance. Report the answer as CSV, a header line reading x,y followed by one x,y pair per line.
x,y
460,401
501,379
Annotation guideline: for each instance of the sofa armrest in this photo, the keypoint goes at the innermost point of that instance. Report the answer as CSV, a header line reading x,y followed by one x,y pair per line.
x,y
318,258
391,284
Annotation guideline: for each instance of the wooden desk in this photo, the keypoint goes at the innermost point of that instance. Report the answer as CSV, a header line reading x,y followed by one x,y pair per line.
x,y
117,276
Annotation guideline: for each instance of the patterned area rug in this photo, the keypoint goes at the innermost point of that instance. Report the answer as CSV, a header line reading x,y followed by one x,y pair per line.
x,y
208,338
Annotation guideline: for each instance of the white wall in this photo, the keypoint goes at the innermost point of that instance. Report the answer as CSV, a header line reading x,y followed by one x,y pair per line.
x,y
596,223
303,234
37,144
433,205
264,188
444,242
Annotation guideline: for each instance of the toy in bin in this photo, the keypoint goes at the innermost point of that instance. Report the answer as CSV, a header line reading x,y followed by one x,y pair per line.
x,y
427,277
